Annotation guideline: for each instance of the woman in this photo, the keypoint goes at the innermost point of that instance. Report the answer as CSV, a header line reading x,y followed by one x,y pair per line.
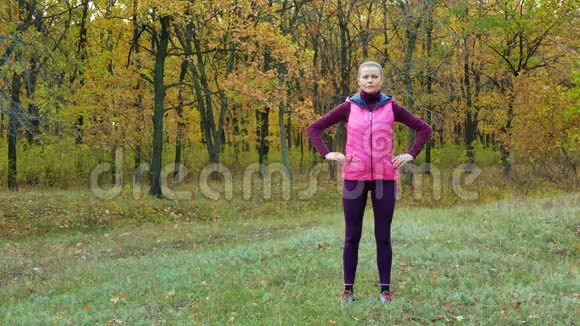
x,y
369,165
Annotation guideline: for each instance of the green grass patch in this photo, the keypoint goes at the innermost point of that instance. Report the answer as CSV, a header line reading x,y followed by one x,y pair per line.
x,y
507,262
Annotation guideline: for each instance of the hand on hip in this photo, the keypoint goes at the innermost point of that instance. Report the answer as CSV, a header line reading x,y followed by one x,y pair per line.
x,y
399,160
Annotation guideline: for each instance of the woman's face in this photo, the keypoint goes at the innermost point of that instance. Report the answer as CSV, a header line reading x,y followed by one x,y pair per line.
x,y
370,79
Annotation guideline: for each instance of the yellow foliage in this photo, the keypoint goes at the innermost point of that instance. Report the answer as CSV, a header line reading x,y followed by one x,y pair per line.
x,y
544,119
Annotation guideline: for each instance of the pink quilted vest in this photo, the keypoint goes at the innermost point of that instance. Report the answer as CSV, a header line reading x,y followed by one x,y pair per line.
x,y
369,141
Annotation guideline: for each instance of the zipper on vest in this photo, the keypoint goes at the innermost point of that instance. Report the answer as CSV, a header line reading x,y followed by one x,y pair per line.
x,y
371,126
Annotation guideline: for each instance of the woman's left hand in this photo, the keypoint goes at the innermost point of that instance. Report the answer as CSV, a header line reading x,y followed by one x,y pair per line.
x,y
399,160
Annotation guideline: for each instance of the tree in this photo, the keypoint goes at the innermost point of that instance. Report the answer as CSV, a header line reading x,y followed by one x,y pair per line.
x,y
200,23
24,56
161,41
521,35
411,21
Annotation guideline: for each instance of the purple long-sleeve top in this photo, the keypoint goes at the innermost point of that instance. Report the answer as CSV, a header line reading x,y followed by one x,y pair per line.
x,y
341,112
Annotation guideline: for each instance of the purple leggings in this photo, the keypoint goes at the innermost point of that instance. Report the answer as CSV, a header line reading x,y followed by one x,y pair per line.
x,y
354,199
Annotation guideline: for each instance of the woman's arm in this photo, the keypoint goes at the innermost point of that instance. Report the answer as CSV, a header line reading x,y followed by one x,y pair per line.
x,y
422,129
339,113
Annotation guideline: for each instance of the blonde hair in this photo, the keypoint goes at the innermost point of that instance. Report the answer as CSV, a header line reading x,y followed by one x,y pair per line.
x,y
370,64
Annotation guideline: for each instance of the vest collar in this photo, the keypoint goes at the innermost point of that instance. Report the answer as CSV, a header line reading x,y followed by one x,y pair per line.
x,y
358,100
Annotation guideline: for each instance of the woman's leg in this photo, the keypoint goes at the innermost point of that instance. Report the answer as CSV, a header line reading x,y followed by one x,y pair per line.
x,y
354,199
383,199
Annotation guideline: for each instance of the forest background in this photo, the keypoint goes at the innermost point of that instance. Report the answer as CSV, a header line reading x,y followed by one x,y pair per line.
x,y
196,84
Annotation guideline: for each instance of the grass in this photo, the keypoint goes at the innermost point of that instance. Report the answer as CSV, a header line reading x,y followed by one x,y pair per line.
x,y
204,262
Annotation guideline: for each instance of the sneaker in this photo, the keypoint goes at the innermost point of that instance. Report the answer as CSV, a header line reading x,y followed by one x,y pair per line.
x,y
386,297
347,296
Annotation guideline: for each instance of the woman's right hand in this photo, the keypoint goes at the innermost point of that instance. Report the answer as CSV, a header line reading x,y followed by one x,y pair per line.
x,y
334,156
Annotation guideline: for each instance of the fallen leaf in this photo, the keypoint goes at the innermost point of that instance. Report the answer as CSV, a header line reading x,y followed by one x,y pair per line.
x,y
169,294
120,296
115,322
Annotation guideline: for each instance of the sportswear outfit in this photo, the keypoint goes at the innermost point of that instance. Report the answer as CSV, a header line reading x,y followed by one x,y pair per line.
x,y
368,168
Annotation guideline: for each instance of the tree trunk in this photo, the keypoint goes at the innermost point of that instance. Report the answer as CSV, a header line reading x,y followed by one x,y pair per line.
x,y
289,125
82,56
33,129
180,124
224,100
138,100
411,33
159,111
114,168
477,90
428,145
264,124
458,133
503,145
235,136
213,135
469,123
138,159
264,149
430,80
385,30
13,125
189,41
2,121
301,152
283,138
343,23
366,31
